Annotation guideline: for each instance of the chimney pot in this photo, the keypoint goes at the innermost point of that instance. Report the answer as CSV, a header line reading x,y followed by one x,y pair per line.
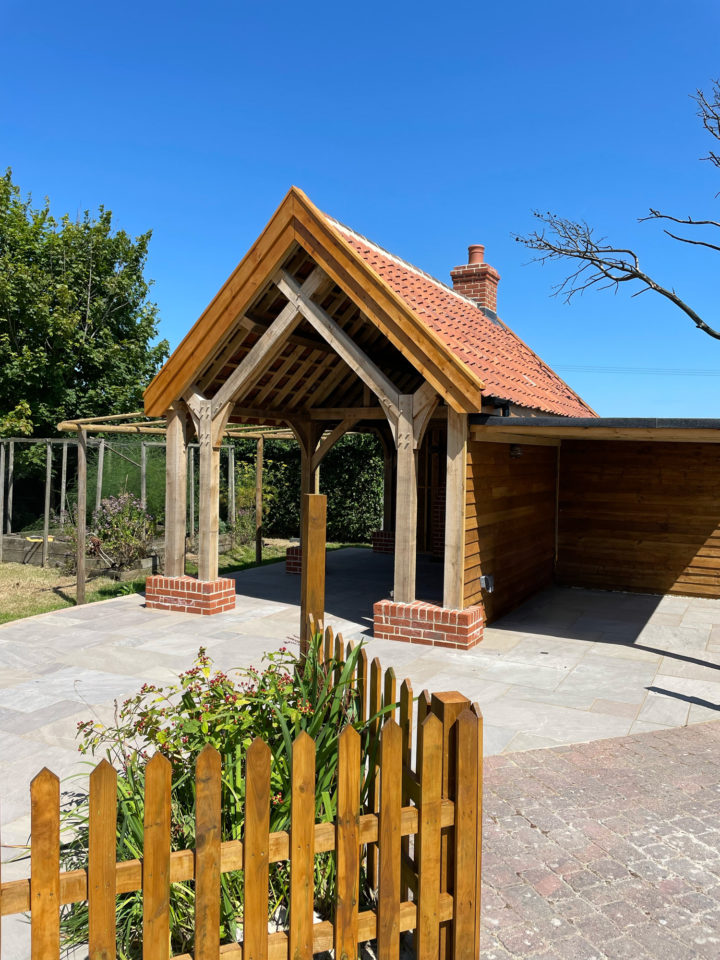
x,y
477,279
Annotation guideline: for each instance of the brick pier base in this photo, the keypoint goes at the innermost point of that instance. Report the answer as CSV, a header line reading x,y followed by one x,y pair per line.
x,y
188,595
383,541
293,560
420,622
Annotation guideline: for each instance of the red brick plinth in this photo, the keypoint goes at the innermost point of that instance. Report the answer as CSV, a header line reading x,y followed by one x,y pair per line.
x,y
188,595
293,560
425,623
383,541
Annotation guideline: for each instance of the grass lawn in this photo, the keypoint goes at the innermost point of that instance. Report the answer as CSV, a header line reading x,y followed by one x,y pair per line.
x,y
26,590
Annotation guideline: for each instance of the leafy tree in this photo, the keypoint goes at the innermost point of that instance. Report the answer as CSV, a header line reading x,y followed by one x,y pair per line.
x,y
76,325
601,263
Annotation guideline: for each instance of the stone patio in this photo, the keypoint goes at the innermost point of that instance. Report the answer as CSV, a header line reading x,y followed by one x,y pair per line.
x,y
570,666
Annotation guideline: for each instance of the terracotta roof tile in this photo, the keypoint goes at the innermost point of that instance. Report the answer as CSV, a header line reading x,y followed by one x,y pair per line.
x,y
508,367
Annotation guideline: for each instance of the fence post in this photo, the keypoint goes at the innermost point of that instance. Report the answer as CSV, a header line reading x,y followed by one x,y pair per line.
x,y
100,465
102,884
2,497
447,707
11,484
143,475
156,859
466,829
312,584
63,484
231,487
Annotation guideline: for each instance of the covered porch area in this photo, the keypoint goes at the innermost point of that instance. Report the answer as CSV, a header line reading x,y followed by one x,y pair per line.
x,y
306,337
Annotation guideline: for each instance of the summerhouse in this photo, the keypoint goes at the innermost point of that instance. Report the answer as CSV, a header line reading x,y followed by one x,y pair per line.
x,y
492,462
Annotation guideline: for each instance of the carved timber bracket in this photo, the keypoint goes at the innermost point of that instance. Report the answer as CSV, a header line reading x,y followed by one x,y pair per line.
x,y
209,425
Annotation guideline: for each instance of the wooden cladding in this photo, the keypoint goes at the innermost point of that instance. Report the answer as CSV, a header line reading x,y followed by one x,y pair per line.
x,y
640,516
510,522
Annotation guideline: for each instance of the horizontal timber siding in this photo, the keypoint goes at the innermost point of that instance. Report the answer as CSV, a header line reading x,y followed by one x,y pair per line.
x,y
510,523
640,516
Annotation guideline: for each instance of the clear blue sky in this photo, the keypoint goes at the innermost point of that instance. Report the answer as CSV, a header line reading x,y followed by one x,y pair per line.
x,y
425,126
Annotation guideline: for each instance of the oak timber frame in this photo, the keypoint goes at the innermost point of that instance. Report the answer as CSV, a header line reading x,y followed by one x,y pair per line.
x,y
225,369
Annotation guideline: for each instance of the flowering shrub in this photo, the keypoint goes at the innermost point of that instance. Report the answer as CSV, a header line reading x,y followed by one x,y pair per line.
x,y
122,530
210,706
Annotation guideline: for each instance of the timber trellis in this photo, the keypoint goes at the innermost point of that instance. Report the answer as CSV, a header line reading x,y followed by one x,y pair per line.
x,y
419,836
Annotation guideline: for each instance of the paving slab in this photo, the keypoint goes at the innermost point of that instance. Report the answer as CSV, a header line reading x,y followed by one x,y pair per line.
x,y
569,666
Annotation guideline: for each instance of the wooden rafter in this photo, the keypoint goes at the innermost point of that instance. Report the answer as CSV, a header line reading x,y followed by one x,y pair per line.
x,y
342,343
268,346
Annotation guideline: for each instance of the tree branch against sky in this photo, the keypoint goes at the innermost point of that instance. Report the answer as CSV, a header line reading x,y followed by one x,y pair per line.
x,y
601,264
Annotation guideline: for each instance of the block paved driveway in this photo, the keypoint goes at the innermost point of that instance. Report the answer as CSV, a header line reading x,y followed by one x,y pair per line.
x,y
608,849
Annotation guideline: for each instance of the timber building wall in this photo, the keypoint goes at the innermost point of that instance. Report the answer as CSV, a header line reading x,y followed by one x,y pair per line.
x,y
510,522
640,516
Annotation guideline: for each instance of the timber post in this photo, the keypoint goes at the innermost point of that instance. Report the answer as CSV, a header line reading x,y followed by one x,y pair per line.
x,y
406,505
447,707
10,484
455,496
46,510
2,498
175,491
63,485
231,487
312,584
259,500
100,466
81,514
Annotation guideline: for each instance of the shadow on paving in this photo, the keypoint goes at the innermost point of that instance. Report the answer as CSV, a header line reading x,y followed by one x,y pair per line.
x,y
596,616
355,579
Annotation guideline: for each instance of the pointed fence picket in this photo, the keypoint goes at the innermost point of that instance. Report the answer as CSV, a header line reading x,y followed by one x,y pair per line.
x,y
418,839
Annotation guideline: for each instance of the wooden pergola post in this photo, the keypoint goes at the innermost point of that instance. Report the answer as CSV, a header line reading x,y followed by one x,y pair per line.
x,y
455,493
259,500
46,511
175,491
81,514
191,484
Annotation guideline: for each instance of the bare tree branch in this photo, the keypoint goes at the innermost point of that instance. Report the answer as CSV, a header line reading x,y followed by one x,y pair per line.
x,y
709,113
602,265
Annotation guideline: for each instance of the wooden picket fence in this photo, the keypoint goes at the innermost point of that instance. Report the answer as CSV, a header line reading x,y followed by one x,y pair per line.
x,y
420,835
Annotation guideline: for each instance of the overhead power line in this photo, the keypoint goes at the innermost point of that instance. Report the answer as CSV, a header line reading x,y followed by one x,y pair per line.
x,y
646,371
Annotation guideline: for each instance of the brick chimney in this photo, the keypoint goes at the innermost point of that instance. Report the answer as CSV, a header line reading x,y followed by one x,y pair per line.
x,y
477,279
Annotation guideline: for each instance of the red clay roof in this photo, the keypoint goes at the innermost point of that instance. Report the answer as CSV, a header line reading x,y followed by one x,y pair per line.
x,y
507,366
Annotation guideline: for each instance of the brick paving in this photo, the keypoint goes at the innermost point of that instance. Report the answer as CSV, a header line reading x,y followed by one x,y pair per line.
x,y
609,849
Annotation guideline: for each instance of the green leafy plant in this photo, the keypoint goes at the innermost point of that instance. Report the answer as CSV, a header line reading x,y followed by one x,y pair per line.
x,y
207,706
121,530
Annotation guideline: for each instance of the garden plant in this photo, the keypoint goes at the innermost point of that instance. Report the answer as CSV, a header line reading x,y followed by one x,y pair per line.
x,y
227,710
